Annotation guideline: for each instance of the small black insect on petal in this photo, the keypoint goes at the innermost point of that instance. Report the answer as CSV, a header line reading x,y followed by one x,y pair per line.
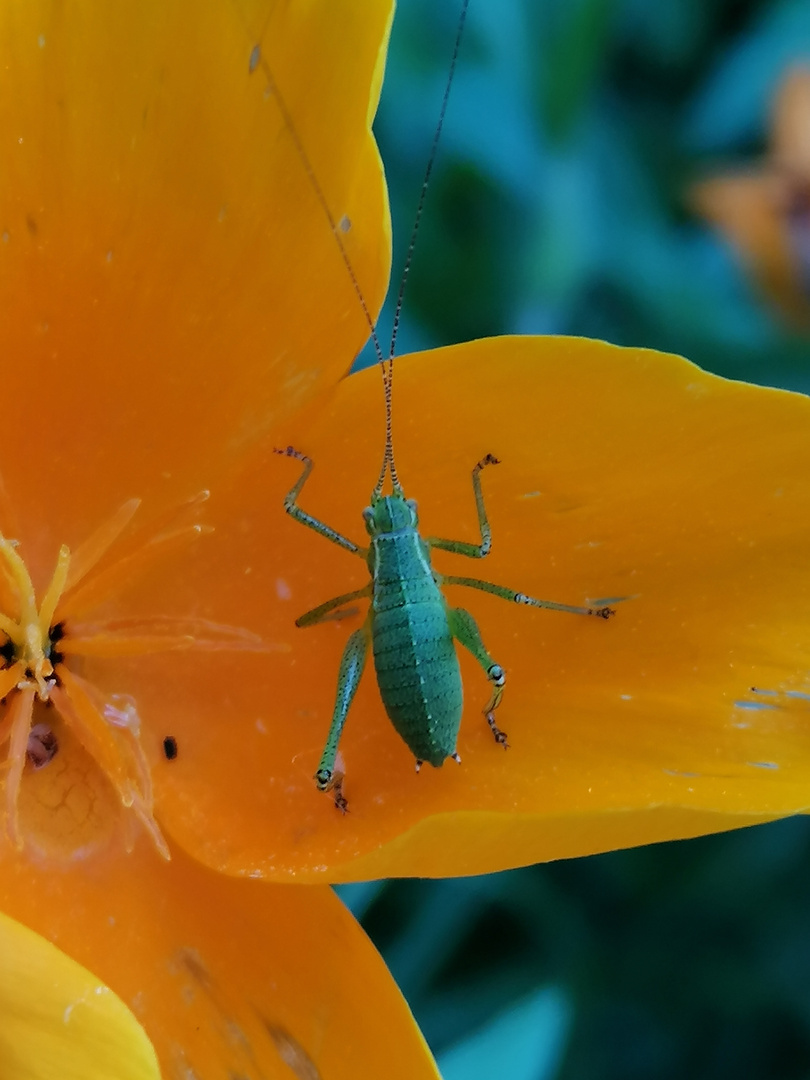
x,y
170,747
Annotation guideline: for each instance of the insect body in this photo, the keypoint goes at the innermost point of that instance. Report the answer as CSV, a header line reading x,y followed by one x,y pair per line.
x,y
409,624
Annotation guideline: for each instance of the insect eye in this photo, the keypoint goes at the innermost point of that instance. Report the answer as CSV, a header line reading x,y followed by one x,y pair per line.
x,y
413,510
368,518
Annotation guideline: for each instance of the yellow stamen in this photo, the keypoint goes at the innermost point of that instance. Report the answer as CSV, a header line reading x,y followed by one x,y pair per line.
x,y
21,580
125,570
91,550
135,635
104,644
19,716
13,629
54,591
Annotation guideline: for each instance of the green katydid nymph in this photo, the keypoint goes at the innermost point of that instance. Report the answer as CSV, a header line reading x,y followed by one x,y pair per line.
x,y
410,627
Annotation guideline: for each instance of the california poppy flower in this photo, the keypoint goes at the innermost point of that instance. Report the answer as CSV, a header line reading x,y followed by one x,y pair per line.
x,y
764,210
177,307
147,175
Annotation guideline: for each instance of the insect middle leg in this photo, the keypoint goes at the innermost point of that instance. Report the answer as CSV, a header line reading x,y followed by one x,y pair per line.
x,y
465,629
600,611
351,670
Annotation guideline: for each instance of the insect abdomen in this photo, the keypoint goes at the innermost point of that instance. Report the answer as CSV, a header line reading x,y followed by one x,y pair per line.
x,y
417,668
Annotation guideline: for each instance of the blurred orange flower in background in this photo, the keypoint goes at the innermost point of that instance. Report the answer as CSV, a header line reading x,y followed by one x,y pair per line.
x,y
765,210
174,305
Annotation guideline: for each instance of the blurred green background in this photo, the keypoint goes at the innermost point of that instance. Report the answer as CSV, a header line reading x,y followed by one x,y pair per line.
x,y
558,205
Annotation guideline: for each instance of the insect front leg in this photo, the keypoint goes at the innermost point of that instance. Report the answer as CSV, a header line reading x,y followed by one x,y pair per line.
x,y
465,629
351,670
600,611
301,516
459,547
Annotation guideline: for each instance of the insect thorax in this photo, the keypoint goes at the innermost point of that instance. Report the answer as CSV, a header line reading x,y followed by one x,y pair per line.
x,y
398,558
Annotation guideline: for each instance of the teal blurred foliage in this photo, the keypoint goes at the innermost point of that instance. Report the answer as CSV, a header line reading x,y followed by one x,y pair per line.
x,y
558,202
677,960
558,206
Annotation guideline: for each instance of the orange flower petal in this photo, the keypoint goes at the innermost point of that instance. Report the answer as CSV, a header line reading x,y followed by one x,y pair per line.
x,y
227,977
625,473
59,1020
170,288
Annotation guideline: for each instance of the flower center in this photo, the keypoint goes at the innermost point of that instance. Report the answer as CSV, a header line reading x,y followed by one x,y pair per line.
x,y
34,672
30,636
36,669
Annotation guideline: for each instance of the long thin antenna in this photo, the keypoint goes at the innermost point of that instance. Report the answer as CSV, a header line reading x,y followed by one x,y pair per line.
x,y
388,463
386,363
258,60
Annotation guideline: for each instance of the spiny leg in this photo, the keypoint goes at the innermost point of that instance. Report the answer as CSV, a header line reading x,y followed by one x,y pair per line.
x,y
309,618
295,511
351,669
600,611
460,547
465,629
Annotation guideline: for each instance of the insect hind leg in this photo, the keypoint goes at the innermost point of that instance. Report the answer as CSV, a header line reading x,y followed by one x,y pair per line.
x,y
351,670
465,629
